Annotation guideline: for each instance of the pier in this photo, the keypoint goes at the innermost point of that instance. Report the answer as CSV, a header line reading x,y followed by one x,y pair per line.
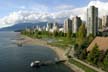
x,y
45,63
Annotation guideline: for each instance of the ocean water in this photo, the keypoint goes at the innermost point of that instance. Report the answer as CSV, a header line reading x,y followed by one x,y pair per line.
x,y
18,59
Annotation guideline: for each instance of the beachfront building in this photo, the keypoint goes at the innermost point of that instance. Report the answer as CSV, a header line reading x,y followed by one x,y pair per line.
x,y
68,26
99,23
76,22
61,29
49,26
92,20
43,28
104,30
55,26
105,21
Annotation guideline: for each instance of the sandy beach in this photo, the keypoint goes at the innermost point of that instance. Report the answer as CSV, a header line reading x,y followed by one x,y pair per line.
x,y
30,41
59,51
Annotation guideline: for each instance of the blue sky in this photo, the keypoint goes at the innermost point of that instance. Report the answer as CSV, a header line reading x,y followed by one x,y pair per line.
x,y
7,6
17,11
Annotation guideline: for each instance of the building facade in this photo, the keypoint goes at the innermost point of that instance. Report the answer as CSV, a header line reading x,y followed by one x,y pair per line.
x,y
67,26
55,26
92,20
76,22
49,26
105,21
99,23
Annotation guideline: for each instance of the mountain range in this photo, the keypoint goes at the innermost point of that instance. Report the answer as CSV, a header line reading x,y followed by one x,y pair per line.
x,y
21,26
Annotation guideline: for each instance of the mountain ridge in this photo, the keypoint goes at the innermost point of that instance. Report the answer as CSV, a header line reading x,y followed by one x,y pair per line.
x,y
21,26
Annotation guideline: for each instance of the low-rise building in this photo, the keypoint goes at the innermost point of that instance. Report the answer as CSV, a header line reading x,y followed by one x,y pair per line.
x,y
102,43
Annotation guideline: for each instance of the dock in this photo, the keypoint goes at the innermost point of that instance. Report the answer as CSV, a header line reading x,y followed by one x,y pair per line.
x,y
46,63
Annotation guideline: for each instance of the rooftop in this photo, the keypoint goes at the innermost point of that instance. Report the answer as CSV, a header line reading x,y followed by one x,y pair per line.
x,y
102,42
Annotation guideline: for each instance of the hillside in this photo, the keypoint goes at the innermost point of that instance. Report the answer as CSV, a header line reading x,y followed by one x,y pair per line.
x,y
21,26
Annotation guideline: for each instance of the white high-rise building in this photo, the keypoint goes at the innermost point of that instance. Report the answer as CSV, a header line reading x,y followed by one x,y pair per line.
x,y
68,26
92,20
55,26
49,26
99,23
76,22
105,21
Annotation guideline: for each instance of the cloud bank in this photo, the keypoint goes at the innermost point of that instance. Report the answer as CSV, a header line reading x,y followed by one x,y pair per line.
x,y
61,12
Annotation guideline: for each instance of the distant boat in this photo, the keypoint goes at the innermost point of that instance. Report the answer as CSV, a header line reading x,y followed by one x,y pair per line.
x,y
35,64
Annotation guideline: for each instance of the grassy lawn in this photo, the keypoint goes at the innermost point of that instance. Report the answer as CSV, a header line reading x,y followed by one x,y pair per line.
x,y
85,68
59,41
62,42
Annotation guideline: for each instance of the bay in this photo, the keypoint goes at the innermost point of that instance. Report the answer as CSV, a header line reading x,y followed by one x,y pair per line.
x,y
18,59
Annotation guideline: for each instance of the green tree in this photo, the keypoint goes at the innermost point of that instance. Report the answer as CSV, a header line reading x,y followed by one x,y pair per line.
x,y
105,62
80,41
100,60
60,34
69,34
83,54
90,38
93,56
81,35
55,33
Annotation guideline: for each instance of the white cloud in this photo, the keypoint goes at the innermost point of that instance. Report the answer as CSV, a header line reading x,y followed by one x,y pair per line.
x,y
64,7
103,7
41,14
22,7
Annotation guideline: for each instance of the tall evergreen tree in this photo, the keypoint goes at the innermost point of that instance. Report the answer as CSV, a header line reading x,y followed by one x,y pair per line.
x,y
80,40
83,54
93,56
90,38
105,62
81,34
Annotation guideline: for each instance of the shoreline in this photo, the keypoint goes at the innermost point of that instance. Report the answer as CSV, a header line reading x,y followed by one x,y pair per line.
x,y
30,41
58,51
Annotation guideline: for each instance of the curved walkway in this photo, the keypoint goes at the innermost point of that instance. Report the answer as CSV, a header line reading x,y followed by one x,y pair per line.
x,y
90,66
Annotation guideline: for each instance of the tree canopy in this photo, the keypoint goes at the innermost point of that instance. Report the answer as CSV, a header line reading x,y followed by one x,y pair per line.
x,y
81,35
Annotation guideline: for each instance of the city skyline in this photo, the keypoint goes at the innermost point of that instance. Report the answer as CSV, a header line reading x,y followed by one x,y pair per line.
x,y
49,12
